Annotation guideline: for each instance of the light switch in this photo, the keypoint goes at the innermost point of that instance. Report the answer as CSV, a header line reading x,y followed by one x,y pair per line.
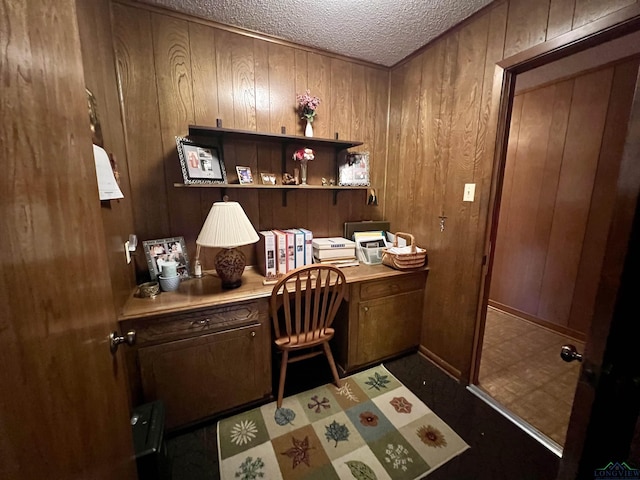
x,y
469,192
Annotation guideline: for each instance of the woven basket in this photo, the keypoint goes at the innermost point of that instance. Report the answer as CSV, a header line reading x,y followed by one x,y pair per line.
x,y
417,258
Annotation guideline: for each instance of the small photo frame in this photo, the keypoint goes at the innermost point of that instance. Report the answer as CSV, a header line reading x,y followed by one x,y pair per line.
x,y
200,163
166,250
244,175
354,172
268,178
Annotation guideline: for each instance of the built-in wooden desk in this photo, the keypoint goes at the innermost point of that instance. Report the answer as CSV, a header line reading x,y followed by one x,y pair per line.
x,y
203,350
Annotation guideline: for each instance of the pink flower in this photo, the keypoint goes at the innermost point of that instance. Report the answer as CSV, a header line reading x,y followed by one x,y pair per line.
x,y
307,105
303,154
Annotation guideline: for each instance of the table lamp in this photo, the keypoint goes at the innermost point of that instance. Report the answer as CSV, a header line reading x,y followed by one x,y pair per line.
x,y
227,227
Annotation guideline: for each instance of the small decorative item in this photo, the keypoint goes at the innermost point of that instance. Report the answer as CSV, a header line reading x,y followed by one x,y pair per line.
x,y
169,252
354,172
200,163
324,182
307,105
288,179
268,178
303,155
244,175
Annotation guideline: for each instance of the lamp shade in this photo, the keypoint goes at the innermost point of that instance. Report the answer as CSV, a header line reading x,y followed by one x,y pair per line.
x,y
227,226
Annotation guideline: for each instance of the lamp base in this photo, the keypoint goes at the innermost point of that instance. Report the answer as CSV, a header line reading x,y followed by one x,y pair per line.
x,y
230,263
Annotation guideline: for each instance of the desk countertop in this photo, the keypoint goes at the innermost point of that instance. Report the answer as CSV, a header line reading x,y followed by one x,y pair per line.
x,y
206,292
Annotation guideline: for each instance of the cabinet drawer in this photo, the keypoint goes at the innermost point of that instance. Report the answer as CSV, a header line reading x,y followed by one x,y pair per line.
x,y
199,322
392,286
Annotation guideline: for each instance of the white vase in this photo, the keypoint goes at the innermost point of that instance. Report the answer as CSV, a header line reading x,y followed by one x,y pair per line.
x,y
303,172
308,130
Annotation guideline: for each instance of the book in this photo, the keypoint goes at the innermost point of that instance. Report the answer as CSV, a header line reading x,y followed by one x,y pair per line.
x,y
291,249
308,246
299,246
266,253
281,252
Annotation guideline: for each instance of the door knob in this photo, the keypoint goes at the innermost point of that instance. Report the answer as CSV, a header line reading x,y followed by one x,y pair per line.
x,y
569,353
114,339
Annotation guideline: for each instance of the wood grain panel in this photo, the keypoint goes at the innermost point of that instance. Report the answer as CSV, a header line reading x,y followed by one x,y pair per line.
x,y
586,11
560,17
526,25
462,226
319,83
202,53
582,147
391,192
134,55
622,88
408,137
96,40
380,90
202,47
426,141
502,245
172,60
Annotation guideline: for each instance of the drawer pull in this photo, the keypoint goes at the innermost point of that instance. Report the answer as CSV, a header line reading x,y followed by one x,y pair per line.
x,y
202,322
366,309
253,334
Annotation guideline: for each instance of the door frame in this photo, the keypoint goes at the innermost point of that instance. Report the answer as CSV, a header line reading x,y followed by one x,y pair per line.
x,y
623,22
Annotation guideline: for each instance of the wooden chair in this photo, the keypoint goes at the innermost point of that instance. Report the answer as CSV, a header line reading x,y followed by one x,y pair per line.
x,y
304,304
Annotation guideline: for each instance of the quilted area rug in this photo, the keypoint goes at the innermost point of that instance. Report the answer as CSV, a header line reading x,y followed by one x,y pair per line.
x,y
372,427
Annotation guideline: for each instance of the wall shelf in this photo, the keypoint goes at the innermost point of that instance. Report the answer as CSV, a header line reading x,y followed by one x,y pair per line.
x,y
251,136
285,188
285,141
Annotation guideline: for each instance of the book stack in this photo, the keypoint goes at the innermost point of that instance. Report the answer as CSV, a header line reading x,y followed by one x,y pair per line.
x,y
280,251
336,251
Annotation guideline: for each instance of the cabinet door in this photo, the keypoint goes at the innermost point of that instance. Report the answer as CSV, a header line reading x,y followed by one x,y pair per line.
x,y
201,376
388,326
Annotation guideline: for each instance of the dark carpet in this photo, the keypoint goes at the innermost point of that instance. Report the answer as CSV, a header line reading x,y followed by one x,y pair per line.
x,y
499,449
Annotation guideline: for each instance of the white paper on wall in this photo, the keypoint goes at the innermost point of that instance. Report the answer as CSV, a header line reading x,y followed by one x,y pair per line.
x,y
107,185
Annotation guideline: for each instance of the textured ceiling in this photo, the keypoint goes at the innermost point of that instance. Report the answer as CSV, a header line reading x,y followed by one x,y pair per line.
x,y
378,31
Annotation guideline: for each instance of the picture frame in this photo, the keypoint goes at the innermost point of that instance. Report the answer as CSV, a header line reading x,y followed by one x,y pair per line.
x,y
354,171
244,175
164,250
268,178
200,164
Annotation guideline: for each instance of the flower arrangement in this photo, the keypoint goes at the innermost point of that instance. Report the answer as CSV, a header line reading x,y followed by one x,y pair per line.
x,y
307,105
303,155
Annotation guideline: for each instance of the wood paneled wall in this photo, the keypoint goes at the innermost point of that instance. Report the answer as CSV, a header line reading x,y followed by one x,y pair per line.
x,y
558,195
443,121
176,70
94,25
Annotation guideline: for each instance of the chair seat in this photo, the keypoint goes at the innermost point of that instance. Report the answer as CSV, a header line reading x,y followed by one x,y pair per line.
x,y
298,341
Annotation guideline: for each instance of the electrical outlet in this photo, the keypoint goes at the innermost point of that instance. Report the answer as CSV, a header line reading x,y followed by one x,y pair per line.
x,y
469,192
127,253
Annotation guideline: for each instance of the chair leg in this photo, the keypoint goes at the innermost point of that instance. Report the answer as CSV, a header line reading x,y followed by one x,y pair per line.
x,y
332,364
283,375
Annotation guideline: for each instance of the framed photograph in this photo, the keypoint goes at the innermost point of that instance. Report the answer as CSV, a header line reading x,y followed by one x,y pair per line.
x,y
166,250
200,163
268,178
354,172
244,175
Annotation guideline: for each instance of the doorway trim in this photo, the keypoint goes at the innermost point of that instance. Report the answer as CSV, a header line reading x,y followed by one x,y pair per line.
x,y
615,25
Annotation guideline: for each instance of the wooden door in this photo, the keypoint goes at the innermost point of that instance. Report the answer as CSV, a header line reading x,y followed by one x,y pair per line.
x,y
64,411
607,399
